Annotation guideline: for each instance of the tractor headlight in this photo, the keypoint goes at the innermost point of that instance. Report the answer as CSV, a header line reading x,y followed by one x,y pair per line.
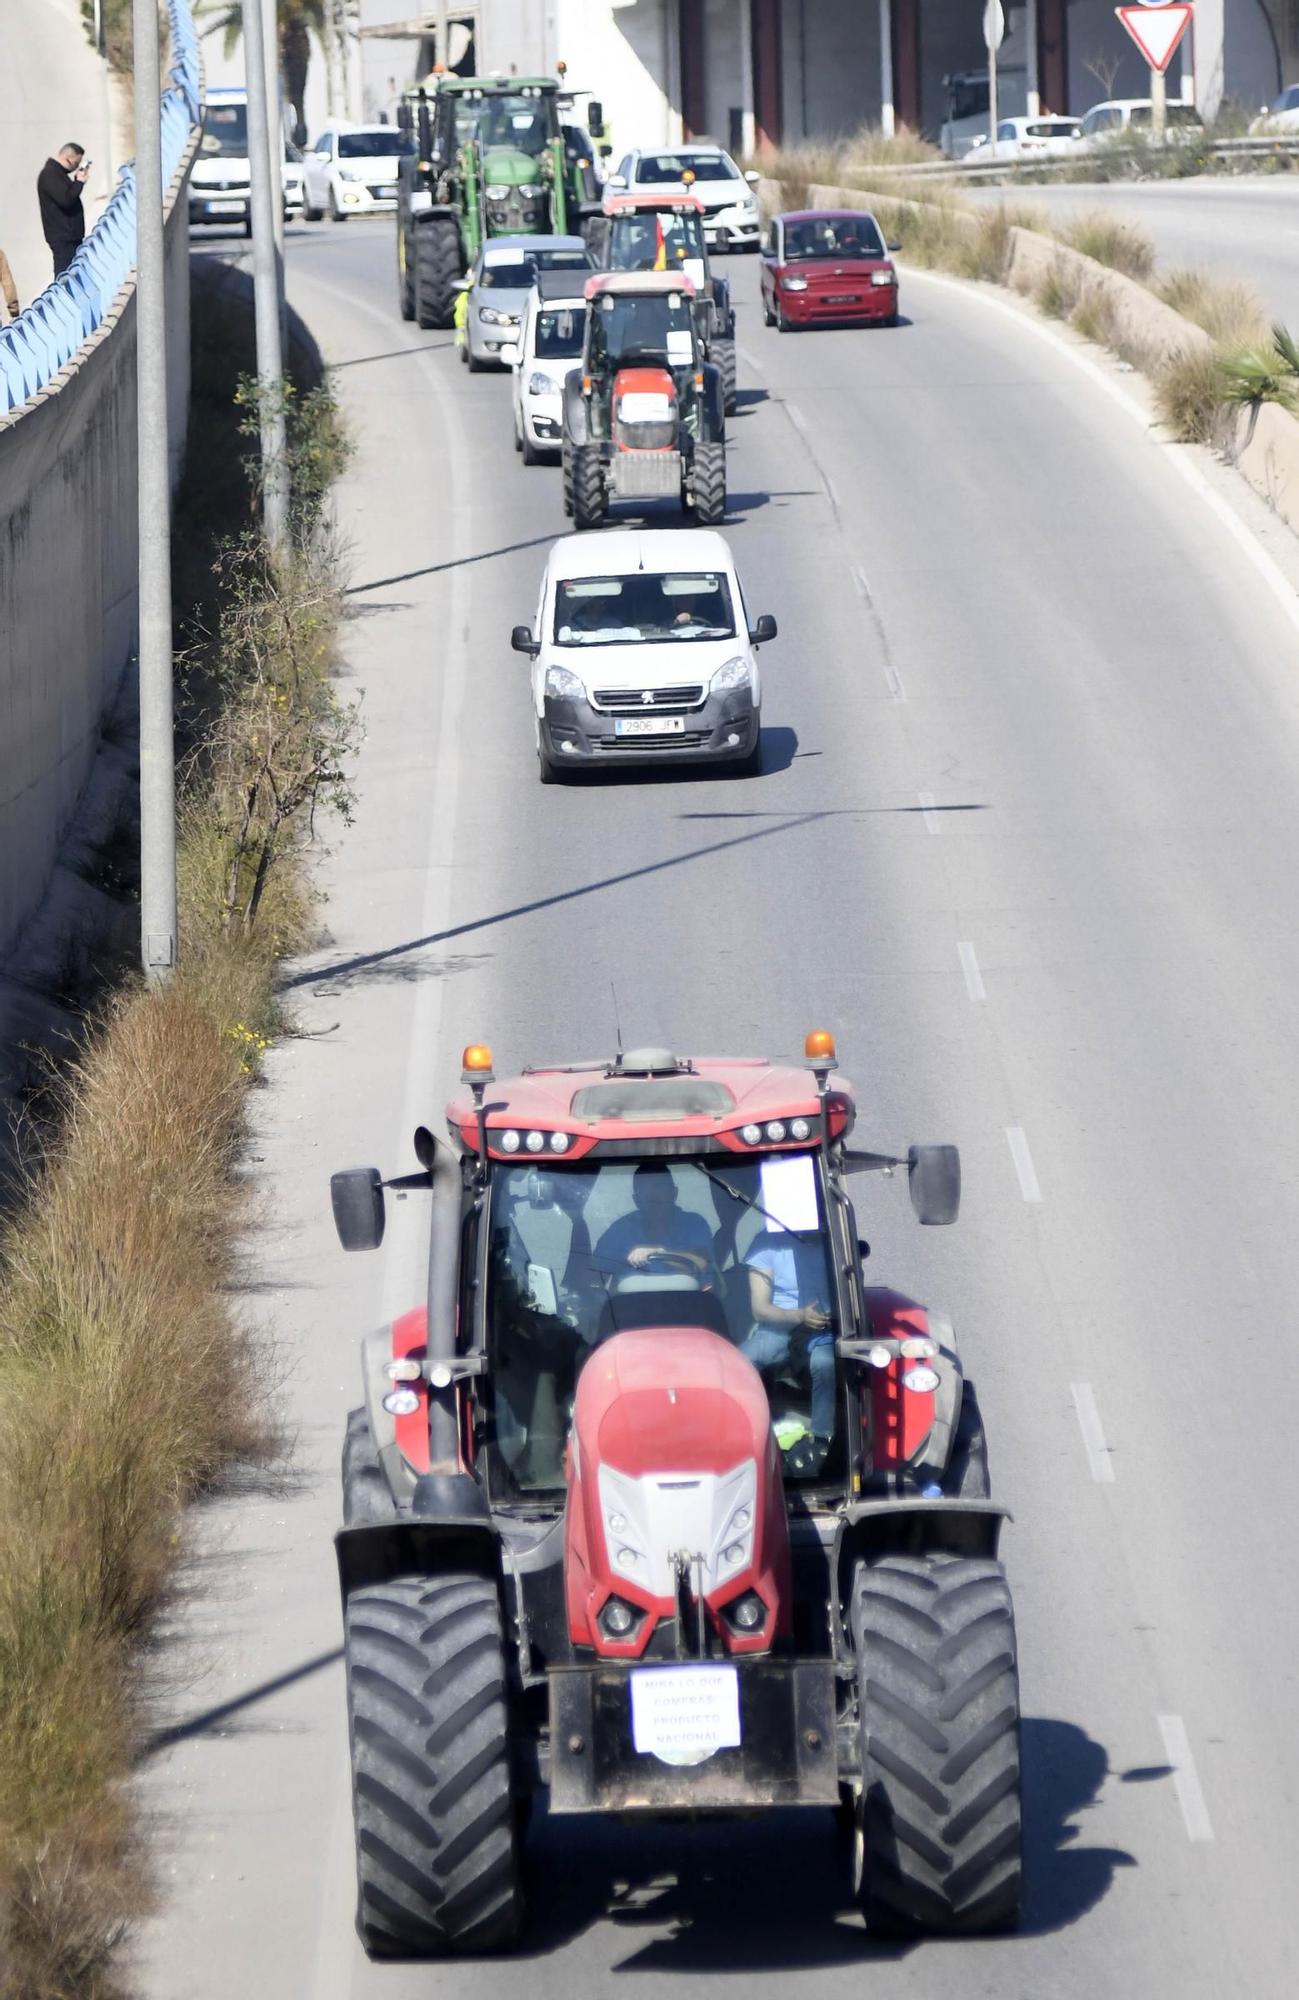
x,y
793,284
748,1612
563,685
497,192
735,674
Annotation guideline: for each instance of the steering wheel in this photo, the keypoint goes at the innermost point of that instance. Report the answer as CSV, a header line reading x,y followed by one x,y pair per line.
x,y
679,1260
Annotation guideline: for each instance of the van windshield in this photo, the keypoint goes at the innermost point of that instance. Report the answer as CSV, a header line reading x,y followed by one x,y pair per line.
x,y
225,130
374,145
643,609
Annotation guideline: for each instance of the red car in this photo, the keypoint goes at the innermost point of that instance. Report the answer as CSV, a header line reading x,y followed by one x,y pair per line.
x,y
826,267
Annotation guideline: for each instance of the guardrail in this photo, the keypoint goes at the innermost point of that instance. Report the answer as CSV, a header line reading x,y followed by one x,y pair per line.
x,y
49,332
976,167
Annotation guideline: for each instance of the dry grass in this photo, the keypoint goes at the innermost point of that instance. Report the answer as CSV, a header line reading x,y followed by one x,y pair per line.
x,y
1189,396
127,1385
1229,312
1110,242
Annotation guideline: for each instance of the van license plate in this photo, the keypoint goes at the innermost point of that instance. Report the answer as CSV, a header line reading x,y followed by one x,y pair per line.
x,y
226,207
649,725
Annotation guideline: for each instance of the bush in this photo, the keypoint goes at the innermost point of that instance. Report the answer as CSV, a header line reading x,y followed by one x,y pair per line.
x,y
1228,312
1111,242
1189,397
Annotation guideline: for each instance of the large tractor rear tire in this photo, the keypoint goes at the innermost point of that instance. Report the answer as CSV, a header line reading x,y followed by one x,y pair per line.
x,y
710,484
724,355
365,1490
437,268
436,1853
590,503
938,1824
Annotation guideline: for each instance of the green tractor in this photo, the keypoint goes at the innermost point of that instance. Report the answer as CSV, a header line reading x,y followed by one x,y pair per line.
x,y
491,160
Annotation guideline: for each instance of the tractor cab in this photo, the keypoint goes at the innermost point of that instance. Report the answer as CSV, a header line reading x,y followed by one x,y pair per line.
x,y
639,320
640,1498
657,230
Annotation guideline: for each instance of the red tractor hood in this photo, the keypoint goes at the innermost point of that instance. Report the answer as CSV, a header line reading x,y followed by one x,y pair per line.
x,y
674,1399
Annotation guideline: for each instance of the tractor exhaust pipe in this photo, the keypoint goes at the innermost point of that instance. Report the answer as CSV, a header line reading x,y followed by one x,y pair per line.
x,y
443,1302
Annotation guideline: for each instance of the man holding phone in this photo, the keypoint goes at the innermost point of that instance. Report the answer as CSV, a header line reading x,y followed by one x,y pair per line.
x,y
60,186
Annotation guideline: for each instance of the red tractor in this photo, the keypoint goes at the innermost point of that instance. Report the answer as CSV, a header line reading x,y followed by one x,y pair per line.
x,y
655,229
655,1506
644,415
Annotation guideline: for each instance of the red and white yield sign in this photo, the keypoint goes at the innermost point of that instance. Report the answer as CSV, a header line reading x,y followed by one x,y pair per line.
x,y
1156,30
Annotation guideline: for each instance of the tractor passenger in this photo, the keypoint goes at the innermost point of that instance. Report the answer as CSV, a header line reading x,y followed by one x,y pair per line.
x,y
791,1329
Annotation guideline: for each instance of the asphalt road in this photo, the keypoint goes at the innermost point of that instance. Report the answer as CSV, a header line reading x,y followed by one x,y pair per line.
x,y
1027,838
1246,227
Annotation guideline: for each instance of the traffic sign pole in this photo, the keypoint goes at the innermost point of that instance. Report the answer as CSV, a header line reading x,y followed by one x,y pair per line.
x,y
1157,27
1158,106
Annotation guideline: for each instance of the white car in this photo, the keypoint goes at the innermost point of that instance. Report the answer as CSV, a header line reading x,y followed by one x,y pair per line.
x,y
1042,138
549,344
1282,115
642,653
731,218
1118,116
352,170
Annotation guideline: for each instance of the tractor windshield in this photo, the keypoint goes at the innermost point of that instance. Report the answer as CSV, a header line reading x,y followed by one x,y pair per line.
x,y
521,121
630,327
578,1254
655,242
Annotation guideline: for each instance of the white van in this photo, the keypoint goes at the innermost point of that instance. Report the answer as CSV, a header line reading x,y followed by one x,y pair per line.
x,y
220,185
642,653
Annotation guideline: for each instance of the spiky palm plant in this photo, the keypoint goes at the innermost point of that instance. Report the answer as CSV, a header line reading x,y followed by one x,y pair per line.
x,y
299,21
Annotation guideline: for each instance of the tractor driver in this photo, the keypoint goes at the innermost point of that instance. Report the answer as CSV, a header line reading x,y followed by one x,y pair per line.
x,y
791,1328
655,1231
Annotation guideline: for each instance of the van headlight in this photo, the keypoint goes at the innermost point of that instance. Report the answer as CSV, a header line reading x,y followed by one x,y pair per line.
x,y
542,385
734,674
563,685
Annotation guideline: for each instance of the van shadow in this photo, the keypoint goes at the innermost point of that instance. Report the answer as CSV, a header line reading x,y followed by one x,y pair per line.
x,y
772,1893
779,749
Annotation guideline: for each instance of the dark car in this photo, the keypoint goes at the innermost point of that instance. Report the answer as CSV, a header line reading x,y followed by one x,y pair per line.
x,y
827,267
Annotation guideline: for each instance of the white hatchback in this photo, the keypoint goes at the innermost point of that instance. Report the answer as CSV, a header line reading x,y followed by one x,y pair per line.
x,y
549,344
642,653
728,197
352,170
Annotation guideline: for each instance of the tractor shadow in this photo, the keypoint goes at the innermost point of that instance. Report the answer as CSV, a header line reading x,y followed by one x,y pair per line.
x,y
772,1893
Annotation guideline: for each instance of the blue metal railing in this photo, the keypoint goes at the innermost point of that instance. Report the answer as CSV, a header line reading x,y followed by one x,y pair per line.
x,y
49,332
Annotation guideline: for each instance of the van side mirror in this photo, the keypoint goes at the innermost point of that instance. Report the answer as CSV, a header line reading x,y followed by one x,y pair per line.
x,y
510,353
616,181
763,630
752,178
595,118
356,1197
522,641
934,1182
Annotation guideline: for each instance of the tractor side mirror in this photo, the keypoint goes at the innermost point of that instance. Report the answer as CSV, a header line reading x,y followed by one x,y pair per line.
x,y
763,630
426,1147
605,148
934,1181
863,1248
356,1197
522,641
595,118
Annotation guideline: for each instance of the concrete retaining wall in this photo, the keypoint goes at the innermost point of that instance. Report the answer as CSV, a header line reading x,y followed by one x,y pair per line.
x,y
68,551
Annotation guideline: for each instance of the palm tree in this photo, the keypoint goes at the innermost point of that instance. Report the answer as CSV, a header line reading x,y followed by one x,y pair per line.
x,y
298,21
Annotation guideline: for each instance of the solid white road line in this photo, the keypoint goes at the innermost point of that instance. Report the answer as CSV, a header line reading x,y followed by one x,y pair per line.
x,y
1093,1437
795,416
892,678
974,985
929,807
1024,1168
1186,1778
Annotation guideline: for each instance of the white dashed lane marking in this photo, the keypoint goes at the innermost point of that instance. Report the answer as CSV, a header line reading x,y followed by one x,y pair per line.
x,y
1093,1437
1190,1797
974,985
1024,1168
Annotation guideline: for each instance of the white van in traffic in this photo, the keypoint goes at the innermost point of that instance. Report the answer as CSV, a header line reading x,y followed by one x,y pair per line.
x,y
642,653
220,183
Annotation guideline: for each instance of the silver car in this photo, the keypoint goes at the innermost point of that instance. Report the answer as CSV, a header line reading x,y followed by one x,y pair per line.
x,y
502,277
